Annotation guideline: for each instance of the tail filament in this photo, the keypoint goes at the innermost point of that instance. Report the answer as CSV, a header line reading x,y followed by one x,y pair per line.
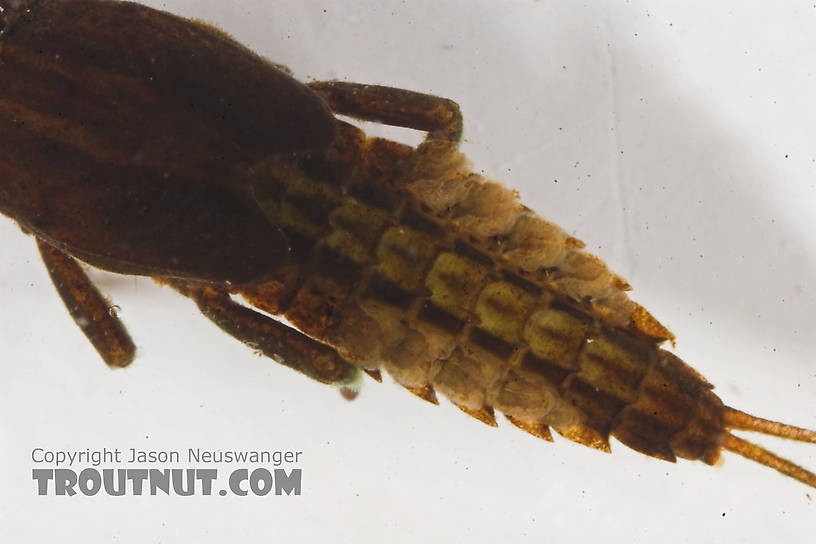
x,y
735,419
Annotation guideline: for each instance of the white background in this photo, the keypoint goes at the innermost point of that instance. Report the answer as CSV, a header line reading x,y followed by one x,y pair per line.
x,y
681,136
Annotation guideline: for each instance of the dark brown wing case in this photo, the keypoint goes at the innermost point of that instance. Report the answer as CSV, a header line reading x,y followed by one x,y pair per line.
x,y
123,131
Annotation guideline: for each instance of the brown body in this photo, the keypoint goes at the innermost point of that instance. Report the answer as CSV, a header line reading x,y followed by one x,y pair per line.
x,y
115,122
385,257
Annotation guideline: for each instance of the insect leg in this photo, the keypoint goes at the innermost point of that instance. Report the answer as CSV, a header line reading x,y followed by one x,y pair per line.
x,y
440,117
284,344
88,307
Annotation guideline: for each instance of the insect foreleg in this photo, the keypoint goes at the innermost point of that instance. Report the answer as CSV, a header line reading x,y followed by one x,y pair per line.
x,y
88,307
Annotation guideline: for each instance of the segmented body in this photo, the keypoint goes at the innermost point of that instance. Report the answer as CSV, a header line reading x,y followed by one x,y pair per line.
x,y
405,260
397,258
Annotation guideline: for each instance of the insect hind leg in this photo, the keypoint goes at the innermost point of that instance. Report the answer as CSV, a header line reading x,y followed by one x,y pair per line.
x,y
276,340
440,117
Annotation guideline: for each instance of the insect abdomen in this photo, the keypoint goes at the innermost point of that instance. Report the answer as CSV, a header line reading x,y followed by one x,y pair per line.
x,y
535,358
394,286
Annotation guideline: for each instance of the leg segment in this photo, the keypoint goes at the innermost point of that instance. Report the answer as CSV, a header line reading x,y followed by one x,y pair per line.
x,y
274,339
440,117
88,307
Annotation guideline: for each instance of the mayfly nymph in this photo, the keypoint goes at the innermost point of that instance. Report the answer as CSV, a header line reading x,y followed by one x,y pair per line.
x,y
143,143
